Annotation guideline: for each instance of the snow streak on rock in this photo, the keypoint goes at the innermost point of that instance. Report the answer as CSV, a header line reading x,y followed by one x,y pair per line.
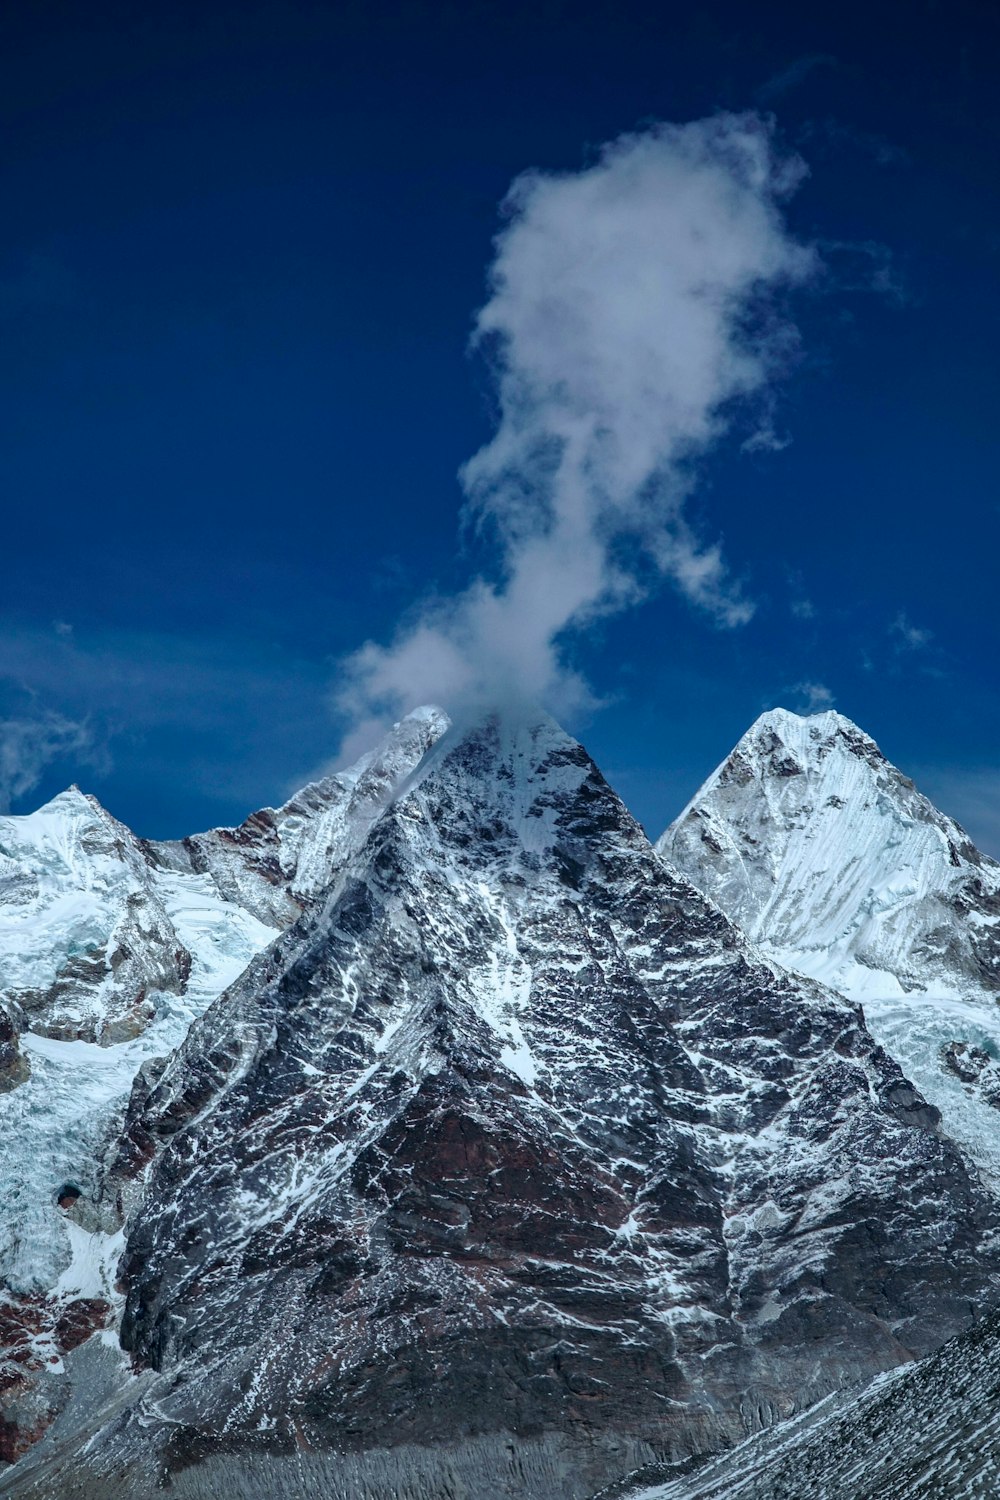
x,y
279,859
512,1141
927,1431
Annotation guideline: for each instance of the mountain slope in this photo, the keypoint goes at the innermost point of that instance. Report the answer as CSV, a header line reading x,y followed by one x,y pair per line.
x,y
832,861
109,948
84,934
926,1431
510,1166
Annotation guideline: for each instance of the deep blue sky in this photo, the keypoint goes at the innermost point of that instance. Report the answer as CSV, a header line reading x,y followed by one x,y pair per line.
x,y
242,247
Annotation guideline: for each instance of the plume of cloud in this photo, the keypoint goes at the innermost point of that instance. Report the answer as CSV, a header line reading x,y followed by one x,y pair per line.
x,y
634,308
30,743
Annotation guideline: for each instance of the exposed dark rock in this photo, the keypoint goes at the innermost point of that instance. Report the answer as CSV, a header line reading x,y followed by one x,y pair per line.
x,y
14,1066
966,1061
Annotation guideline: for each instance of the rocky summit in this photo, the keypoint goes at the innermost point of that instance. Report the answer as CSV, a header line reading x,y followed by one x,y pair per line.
x,y
499,1162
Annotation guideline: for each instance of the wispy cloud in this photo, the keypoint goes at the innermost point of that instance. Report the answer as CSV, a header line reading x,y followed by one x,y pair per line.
x,y
793,75
865,266
907,636
33,741
220,719
809,697
634,313
828,135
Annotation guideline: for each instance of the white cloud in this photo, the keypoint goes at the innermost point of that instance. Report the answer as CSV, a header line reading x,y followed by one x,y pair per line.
x,y
30,743
631,314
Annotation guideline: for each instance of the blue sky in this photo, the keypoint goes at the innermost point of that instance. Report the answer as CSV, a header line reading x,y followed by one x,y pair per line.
x,y
242,253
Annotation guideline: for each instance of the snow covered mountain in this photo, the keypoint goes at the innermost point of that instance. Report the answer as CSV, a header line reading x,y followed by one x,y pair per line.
x,y
829,858
110,947
84,934
507,1169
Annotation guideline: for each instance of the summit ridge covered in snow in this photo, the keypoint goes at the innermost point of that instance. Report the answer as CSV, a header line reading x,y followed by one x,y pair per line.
x,y
831,860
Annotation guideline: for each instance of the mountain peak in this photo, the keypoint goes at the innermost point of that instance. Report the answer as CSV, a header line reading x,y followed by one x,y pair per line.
x,y
809,734
473,1146
834,863
279,859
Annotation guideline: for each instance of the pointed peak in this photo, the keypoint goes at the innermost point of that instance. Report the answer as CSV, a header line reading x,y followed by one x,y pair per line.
x,y
509,734
784,720
518,764
72,798
805,734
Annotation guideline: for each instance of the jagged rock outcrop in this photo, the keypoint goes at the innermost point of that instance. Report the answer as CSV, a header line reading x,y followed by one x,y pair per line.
x,y
512,1153
829,858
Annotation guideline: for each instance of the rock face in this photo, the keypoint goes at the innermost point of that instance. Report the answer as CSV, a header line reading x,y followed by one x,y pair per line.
x,y
829,858
14,1067
511,1157
924,1432
109,947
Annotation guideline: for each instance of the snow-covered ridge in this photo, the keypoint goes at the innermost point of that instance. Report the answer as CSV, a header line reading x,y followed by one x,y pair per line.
x,y
280,858
830,859
84,935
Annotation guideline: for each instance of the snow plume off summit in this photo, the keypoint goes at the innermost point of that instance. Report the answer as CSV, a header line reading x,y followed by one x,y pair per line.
x,y
631,305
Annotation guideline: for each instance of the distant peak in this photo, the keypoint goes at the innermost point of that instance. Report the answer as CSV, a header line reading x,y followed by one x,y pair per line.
x,y
427,713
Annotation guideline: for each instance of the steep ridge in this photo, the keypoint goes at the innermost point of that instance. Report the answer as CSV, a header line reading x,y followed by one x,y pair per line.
x,y
510,1166
279,859
109,948
832,861
926,1431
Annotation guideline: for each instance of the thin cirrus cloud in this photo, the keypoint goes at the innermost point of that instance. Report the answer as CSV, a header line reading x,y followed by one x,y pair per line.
x,y
907,636
633,310
31,741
